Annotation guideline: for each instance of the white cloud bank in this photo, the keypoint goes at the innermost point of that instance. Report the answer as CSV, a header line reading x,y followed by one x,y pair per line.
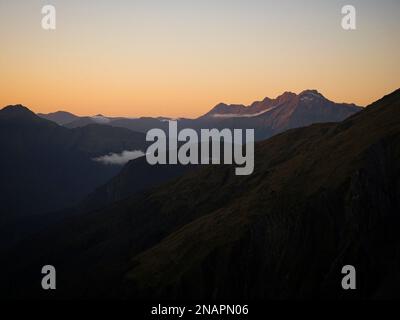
x,y
120,158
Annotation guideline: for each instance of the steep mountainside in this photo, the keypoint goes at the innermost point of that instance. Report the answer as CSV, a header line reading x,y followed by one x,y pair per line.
x,y
136,176
46,167
97,140
320,197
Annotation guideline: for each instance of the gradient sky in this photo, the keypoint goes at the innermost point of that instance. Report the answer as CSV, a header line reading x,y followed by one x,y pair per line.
x,y
181,57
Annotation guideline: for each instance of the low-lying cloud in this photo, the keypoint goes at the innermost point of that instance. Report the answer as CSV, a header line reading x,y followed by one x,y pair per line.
x,y
120,158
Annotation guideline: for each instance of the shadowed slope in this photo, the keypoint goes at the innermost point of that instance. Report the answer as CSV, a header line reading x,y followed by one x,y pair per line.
x,y
320,197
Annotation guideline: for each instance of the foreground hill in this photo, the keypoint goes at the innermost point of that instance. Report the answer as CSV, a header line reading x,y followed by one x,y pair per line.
x,y
321,197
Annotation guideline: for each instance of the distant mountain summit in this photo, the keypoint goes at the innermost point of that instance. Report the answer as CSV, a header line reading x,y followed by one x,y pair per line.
x,y
238,110
19,117
16,111
70,120
267,117
273,116
258,108
59,117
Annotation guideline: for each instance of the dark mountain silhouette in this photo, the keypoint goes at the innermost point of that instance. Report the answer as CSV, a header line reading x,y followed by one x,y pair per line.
x,y
320,197
84,121
42,159
135,177
97,140
138,176
268,117
59,117
273,116
80,122
310,97
232,110
46,167
142,124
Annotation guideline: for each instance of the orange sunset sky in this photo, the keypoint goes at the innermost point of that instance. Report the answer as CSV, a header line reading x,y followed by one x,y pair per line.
x,y
180,58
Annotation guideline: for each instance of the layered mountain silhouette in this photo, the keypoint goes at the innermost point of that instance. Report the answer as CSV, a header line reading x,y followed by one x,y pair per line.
x,y
55,152
268,117
273,116
291,111
239,110
312,97
136,176
321,197
46,167
59,117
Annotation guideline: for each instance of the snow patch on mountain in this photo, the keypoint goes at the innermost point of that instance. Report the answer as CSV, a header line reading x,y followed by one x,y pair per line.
x,y
237,115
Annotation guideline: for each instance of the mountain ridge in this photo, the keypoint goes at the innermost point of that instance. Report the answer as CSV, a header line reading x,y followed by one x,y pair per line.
x,y
320,197
59,117
259,115
47,167
259,107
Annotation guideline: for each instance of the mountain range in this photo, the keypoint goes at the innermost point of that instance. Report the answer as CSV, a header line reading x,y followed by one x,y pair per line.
x,y
321,197
266,117
55,161
46,167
